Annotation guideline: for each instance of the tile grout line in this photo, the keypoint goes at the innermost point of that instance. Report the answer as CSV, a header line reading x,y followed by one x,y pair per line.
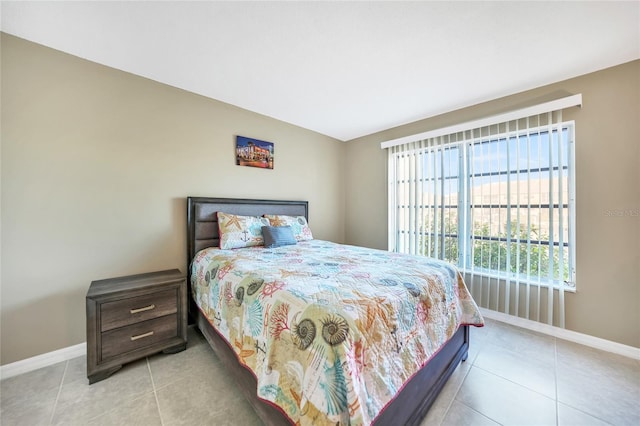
x,y
55,404
479,413
558,397
516,383
453,398
155,394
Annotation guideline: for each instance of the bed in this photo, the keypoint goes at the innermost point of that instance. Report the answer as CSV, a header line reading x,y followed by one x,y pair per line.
x,y
336,337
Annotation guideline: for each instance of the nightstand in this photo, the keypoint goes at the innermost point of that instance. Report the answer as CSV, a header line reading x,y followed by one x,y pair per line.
x,y
131,317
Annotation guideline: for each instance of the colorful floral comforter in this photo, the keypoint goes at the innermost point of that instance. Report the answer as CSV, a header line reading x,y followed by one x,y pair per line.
x,y
331,332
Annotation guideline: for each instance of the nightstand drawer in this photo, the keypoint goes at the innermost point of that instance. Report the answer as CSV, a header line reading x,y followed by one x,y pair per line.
x,y
126,339
136,309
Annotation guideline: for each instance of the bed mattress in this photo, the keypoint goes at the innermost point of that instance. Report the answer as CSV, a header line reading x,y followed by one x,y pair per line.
x,y
331,332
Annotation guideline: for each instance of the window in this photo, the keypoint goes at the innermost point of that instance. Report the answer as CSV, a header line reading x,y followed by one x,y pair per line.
x,y
496,200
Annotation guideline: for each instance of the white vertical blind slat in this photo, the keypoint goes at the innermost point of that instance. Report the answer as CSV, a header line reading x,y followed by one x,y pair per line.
x,y
528,296
561,185
518,224
572,203
518,241
466,168
448,196
539,301
482,186
420,197
507,288
550,215
411,212
437,212
491,225
393,201
405,202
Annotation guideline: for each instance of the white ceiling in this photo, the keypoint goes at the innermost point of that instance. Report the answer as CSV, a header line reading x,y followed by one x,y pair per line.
x,y
344,69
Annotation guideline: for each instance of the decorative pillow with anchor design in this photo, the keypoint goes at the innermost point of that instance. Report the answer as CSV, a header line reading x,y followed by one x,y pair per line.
x,y
240,231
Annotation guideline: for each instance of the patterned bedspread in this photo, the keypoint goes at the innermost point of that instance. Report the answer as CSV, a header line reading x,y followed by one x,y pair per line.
x,y
331,332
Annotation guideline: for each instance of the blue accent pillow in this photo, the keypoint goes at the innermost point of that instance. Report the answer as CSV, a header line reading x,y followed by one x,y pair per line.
x,y
276,236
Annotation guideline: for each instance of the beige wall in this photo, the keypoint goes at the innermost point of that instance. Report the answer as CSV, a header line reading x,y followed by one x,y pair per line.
x,y
607,301
96,165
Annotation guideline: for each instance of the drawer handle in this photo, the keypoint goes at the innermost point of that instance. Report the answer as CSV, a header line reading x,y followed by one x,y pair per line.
x,y
140,336
146,308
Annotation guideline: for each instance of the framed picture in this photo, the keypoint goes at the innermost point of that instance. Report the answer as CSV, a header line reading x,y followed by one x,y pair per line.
x,y
254,153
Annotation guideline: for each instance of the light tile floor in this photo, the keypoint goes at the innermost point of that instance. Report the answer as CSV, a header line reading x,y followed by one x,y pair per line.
x,y
512,377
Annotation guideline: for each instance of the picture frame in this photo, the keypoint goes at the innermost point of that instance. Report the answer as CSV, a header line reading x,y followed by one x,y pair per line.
x,y
254,152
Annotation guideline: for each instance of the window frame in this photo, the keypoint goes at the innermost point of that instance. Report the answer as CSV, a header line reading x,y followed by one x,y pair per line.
x,y
465,235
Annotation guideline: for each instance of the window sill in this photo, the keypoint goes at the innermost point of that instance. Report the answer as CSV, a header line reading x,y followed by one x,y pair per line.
x,y
515,280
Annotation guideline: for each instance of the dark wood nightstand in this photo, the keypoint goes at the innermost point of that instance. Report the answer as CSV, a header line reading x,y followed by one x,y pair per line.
x,y
131,317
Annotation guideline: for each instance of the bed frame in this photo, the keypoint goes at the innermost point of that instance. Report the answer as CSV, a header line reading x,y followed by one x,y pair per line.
x,y
408,407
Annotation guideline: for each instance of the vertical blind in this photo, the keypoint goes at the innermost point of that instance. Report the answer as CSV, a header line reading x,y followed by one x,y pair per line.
x,y
498,201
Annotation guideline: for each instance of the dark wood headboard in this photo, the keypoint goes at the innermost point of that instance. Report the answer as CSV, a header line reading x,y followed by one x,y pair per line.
x,y
202,220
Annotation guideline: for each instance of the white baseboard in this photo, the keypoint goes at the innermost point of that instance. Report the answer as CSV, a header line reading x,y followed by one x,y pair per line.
x,y
44,360
561,333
